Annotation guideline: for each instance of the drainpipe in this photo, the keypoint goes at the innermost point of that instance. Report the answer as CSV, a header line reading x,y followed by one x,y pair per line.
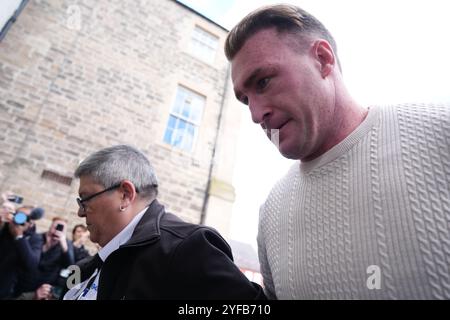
x,y
211,165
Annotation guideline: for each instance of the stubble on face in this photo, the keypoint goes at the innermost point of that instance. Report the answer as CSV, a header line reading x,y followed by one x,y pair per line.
x,y
297,94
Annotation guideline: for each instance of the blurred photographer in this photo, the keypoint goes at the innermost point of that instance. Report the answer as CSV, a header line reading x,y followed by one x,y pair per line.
x,y
20,248
57,254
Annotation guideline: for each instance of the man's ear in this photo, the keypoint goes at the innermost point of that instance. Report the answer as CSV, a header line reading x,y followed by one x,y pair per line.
x,y
129,191
325,56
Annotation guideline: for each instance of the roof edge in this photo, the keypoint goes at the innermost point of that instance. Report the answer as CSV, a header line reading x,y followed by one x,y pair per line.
x,y
201,15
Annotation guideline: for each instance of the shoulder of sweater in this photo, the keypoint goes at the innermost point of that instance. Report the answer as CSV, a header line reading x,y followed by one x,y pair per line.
x,y
422,109
434,116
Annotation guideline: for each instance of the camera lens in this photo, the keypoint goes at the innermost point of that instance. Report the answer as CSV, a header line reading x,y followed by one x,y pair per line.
x,y
20,218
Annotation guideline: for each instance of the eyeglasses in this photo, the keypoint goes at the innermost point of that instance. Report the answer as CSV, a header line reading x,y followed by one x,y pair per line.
x,y
81,201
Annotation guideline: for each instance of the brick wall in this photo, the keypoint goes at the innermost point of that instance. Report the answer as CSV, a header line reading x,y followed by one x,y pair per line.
x,y
70,86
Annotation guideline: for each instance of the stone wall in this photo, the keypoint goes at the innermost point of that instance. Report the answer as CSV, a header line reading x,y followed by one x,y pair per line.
x,y
77,76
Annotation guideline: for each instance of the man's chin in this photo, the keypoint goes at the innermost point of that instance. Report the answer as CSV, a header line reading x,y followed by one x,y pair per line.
x,y
92,236
288,153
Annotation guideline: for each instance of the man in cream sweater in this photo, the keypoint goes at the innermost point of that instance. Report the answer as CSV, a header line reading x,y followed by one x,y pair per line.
x,y
365,213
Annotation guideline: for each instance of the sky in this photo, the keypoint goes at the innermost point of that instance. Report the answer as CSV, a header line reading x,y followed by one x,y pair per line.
x,y
391,51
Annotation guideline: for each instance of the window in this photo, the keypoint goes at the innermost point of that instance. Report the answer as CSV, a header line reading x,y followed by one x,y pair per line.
x,y
184,119
54,176
204,44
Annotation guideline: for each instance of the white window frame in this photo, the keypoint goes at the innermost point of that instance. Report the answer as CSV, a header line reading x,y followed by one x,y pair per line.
x,y
177,113
204,44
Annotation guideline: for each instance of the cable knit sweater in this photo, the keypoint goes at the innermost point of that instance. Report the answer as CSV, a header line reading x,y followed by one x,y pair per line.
x,y
370,218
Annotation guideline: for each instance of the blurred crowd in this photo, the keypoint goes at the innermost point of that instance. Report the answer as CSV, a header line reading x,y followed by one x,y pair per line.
x,y
34,266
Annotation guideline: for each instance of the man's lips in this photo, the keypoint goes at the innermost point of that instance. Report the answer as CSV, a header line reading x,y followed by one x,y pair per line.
x,y
274,133
277,126
280,127
271,130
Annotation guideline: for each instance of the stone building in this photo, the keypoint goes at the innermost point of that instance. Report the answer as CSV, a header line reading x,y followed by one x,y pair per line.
x,y
80,75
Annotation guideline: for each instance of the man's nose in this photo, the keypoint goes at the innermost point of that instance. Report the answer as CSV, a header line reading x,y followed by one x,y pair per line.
x,y
259,110
81,213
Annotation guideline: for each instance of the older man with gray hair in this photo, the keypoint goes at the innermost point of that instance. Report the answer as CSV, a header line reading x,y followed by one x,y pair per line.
x,y
146,252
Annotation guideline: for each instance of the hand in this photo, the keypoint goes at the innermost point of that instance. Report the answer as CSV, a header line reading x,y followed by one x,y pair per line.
x,y
43,292
6,211
5,195
60,236
17,230
6,216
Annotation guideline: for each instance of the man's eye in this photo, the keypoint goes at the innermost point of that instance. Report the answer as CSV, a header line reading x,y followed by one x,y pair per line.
x,y
262,83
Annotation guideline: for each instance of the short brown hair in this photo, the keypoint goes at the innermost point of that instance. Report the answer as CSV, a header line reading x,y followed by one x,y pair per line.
x,y
60,219
284,18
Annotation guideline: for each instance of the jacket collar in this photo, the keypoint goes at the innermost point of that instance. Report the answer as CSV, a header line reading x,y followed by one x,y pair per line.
x,y
148,228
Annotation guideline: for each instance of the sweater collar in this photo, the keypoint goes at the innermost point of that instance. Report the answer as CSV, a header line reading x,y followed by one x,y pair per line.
x,y
345,145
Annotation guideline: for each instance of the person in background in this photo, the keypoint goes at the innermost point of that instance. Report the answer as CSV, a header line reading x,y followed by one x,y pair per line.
x,y
57,252
364,213
20,249
80,236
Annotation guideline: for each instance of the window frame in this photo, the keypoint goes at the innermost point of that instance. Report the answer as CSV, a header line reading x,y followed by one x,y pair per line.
x,y
196,44
178,116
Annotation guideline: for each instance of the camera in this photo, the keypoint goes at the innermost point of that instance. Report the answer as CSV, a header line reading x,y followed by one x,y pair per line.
x,y
57,292
59,227
60,288
15,199
20,218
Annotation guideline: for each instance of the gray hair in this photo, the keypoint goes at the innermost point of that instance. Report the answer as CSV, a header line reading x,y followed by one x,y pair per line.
x,y
112,165
285,19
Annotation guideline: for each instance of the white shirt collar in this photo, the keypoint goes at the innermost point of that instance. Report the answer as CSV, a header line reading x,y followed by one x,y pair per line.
x,y
122,237
80,291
